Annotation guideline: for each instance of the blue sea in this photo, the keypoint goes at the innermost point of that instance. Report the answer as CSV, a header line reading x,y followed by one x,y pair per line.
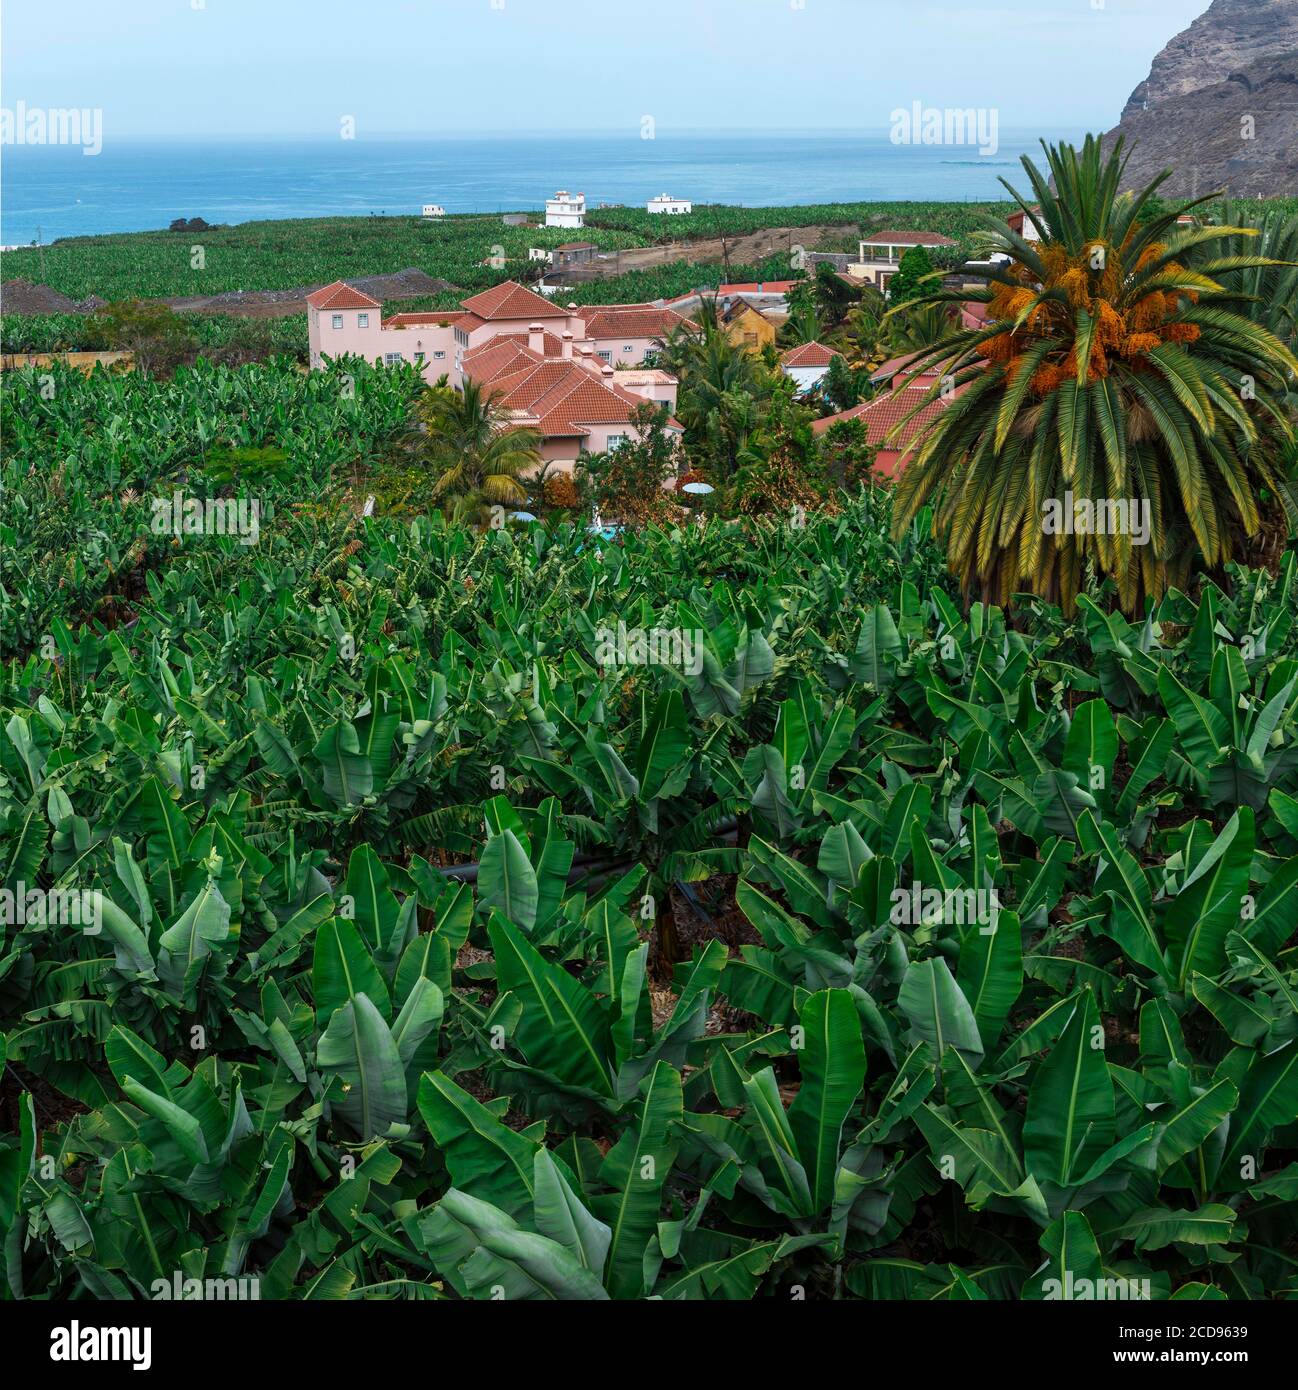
x,y
57,191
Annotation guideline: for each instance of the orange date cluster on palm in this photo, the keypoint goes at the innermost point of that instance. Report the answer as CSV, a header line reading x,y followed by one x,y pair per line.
x,y
1085,294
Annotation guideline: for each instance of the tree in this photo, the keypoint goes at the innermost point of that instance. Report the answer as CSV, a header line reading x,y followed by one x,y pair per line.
x,y
1119,370
779,468
908,283
834,295
918,326
152,333
477,455
844,387
847,454
628,483
718,399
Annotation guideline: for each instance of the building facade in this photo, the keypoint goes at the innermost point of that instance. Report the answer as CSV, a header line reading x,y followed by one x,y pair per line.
x,y
595,355
881,254
565,209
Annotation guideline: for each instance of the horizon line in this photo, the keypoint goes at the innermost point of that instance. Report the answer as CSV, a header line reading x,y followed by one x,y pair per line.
x,y
632,133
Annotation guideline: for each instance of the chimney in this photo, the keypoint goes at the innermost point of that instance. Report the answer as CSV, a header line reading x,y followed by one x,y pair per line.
x,y
536,339
606,371
588,361
567,345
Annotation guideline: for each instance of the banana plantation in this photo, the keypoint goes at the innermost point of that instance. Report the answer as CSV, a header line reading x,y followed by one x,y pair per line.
x,y
376,925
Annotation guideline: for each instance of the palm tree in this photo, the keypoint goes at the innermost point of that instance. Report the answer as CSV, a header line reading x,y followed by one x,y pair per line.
x,y
917,327
478,455
1115,366
835,295
720,384
862,335
802,325
1267,294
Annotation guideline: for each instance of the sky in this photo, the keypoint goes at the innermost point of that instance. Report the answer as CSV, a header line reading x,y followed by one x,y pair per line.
x,y
195,69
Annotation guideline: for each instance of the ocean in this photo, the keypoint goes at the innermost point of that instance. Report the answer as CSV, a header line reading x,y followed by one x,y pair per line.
x,y
48,192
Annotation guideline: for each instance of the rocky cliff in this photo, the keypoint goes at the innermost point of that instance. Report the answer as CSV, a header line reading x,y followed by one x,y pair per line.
x,y
1220,104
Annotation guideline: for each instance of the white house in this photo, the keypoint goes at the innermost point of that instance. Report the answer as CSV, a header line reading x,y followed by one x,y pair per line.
x,y
672,207
807,365
1021,223
434,210
565,209
881,254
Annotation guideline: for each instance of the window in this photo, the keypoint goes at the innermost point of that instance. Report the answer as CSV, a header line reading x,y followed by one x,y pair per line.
x,y
338,320
606,356
362,320
616,441
437,356
392,358
628,348
750,339
419,359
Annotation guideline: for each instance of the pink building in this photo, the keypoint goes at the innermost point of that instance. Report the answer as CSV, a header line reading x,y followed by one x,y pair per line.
x,y
555,369
885,419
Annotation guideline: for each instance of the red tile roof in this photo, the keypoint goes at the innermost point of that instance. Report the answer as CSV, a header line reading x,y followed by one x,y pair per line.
x,y
884,414
906,239
905,365
759,287
809,355
341,295
560,398
497,357
629,321
510,300
430,320
551,343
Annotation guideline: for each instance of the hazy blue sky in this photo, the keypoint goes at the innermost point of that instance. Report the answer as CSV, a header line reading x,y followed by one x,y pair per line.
x,y
193,68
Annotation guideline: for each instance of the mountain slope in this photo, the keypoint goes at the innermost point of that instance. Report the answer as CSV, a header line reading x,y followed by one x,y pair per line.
x,y
1220,105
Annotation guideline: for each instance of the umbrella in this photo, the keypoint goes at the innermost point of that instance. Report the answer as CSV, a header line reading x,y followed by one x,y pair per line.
x,y
521,516
698,489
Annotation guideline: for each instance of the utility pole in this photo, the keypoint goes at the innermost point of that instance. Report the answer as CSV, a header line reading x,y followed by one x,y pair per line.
x,y
40,249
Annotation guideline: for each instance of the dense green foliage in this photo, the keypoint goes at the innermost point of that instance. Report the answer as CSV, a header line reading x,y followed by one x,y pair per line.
x,y
1122,362
75,538
285,254
712,908
956,220
206,332
297,1050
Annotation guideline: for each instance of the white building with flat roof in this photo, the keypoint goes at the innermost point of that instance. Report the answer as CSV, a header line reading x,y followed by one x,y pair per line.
x,y
672,207
565,209
434,210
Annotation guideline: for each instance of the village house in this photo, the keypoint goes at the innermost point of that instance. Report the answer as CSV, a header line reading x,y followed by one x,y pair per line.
x,y
766,296
886,413
573,253
594,356
565,209
746,327
344,321
1021,223
807,365
881,253
577,404
665,204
